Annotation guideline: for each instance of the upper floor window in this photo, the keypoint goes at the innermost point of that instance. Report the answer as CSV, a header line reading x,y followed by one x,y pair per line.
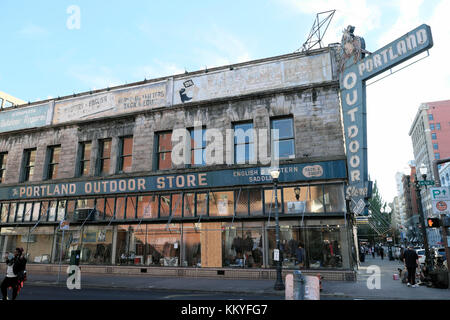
x,y
84,161
431,126
243,143
433,136
164,150
438,126
29,159
283,143
125,154
3,159
430,117
53,154
104,156
435,146
198,146
437,156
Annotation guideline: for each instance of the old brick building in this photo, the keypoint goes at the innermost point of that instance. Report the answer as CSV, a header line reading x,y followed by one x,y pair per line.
x,y
103,161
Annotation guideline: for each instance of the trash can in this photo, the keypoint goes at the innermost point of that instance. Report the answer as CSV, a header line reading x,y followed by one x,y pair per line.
x,y
75,257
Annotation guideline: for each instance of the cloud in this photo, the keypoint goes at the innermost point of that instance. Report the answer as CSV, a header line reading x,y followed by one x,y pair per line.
x,y
33,30
224,49
156,70
95,77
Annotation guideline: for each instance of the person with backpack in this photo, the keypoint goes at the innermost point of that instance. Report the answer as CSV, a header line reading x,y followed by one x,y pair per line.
x,y
15,274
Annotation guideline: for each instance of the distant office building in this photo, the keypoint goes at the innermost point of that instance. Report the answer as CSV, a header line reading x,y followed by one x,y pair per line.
x,y
430,134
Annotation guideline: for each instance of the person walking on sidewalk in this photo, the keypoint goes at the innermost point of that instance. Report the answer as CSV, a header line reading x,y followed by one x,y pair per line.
x,y
411,260
382,253
14,273
373,252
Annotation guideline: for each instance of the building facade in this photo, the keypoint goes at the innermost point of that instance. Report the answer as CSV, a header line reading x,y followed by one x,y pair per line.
x,y
109,163
430,135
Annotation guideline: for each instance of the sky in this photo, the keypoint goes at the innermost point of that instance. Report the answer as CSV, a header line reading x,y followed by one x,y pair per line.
x,y
56,48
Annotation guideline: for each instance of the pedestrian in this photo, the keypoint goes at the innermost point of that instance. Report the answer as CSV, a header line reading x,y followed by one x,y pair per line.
x,y
411,260
373,252
15,274
382,253
300,253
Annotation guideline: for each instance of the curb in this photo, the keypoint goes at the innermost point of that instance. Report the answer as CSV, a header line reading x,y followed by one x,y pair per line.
x,y
115,287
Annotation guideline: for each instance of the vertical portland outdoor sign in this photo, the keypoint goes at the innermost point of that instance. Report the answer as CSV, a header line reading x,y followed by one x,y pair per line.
x,y
355,69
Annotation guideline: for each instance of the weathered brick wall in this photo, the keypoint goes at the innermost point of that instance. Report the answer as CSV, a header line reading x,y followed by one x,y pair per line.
x,y
317,121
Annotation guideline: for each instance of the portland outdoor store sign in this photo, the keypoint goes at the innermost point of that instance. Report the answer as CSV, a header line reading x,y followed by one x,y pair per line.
x,y
355,70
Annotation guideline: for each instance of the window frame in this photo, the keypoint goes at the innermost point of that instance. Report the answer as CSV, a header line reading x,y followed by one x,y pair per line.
x,y
81,163
121,156
50,162
157,153
3,158
26,166
192,149
101,158
245,144
272,141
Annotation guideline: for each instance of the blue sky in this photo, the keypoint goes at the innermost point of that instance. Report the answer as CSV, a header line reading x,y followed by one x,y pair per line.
x,y
126,41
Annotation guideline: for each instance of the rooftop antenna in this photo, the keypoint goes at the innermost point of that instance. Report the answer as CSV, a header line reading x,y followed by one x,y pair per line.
x,y
318,30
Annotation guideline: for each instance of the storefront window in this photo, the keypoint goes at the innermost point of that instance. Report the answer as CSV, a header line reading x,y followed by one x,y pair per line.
x,y
202,204
19,215
324,249
100,208
28,211
164,205
120,208
221,204
4,212
334,198
290,239
315,202
12,211
189,205
131,208
52,211
177,205
109,208
291,204
241,246
269,201
96,245
36,211
164,245
38,244
70,242
147,207
256,207
241,197
70,209
191,246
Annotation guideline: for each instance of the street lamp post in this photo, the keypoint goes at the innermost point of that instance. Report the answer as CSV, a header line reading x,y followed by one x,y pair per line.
x,y
428,260
279,282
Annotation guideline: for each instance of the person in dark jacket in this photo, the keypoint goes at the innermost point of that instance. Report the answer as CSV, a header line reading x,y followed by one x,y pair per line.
x,y
300,253
411,260
15,268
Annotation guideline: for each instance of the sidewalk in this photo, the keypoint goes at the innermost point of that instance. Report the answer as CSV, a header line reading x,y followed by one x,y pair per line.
x,y
389,289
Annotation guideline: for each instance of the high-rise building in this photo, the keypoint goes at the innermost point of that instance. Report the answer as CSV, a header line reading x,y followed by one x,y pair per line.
x,y
430,134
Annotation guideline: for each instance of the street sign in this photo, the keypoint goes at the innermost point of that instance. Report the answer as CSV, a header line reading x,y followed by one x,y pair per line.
x,y
441,207
441,193
276,255
426,183
359,207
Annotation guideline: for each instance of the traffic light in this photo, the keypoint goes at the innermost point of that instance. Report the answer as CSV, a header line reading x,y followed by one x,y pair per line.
x,y
433,222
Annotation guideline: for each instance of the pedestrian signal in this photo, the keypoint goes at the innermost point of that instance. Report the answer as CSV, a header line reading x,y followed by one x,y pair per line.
x,y
433,222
